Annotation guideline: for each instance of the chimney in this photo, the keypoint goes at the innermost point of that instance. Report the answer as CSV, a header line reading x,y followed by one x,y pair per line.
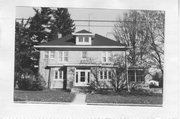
x,y
59,35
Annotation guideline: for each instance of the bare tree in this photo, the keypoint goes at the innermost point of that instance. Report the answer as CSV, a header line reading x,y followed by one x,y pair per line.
x,y
118,78
144,31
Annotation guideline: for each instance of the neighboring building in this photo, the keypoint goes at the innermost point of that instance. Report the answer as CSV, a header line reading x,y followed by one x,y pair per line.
x,y
67,62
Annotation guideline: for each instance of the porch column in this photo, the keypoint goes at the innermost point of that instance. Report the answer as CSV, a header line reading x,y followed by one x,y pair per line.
x,y
49,79
135,75
127,73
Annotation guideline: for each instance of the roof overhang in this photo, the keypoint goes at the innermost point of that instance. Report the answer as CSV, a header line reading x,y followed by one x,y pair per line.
x,y
85,65
80,46
82,34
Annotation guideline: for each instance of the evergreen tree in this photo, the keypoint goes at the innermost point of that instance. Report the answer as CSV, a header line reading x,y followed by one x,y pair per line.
x,y
40,28
61,23
22,49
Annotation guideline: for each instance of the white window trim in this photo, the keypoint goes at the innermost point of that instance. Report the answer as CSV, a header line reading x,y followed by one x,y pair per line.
x,y
45,54
58,76
63,61
103,72
83,40
82,55
106,56
50,54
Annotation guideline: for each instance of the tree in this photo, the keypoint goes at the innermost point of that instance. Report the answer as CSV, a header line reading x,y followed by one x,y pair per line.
x,y
45,25
144,31
35,31
118,78
61,23
155,28
38,31
22,49
118,74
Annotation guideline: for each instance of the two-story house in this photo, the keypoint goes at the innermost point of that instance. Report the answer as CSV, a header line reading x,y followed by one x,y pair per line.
x,y
67,62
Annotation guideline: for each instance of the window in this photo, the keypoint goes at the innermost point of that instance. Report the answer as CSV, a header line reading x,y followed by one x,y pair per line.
x,y
80,39
63,56
82,77
76,77
46,55
52,54
60,56
88,77
84,54
109,75
58,74
105,74
83,40
107,57
66,56
104,56
101,74
86,39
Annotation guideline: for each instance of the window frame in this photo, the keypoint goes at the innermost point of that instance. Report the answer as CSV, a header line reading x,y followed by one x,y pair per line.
x,y
63,56
60,74
107,57
46,53
84,58
50,53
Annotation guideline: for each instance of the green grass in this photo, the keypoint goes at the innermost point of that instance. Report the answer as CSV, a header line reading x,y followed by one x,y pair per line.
x,y
44,96
126,99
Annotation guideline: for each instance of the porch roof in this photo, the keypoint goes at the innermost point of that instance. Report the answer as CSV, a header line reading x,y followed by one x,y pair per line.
x,y
84,65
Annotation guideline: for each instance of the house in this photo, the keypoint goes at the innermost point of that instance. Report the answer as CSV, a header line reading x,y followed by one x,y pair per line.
x,y
68,61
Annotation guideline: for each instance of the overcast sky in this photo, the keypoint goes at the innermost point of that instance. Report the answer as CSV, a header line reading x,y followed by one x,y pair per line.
x,y
84,14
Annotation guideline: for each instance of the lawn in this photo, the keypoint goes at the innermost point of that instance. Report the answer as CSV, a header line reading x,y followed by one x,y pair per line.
x,y
44,96
123,99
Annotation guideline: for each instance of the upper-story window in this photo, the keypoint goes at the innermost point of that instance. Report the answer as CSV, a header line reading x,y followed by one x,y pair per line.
x,y
84,54
52,54
49,54
86,39
107,57
80,39
63,56
46,55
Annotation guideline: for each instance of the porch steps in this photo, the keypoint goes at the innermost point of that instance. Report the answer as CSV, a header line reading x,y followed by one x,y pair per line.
x,y
80,90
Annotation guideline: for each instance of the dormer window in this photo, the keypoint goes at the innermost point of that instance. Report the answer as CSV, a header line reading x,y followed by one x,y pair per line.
x,y
80,39
83,40
83,37
86,39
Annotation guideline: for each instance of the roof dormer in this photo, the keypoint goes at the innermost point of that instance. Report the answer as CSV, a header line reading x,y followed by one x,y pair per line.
x,y
83,37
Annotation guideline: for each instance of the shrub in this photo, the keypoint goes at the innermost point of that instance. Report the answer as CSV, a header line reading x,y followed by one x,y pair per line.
x,y
31,82
139,91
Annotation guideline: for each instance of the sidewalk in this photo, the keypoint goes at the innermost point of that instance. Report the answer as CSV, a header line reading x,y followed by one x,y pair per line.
x,y
80,98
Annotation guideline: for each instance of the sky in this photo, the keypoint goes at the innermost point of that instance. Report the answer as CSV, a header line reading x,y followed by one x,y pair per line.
x,y
85,14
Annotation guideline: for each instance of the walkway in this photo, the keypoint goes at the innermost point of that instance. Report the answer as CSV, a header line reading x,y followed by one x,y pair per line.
x,y
79,98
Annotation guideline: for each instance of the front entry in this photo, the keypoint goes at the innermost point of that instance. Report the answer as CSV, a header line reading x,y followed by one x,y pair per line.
x,y
82,77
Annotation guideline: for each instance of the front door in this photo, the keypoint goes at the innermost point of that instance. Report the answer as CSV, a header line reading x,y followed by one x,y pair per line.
x,y
82,77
